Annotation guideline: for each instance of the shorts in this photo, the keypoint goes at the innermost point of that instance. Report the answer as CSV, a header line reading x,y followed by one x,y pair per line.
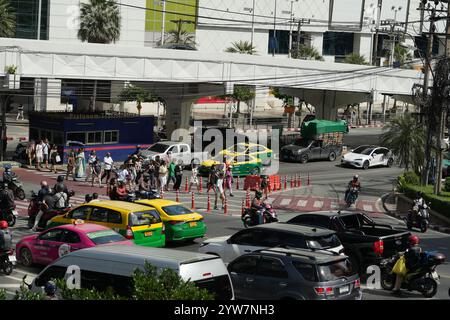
x,y
39,159
45,157
219,185
194,180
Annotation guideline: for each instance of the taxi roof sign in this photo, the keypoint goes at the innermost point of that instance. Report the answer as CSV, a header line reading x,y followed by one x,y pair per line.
x,y
77,222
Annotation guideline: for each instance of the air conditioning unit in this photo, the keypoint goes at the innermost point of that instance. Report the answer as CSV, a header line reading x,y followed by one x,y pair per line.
x,y
11,81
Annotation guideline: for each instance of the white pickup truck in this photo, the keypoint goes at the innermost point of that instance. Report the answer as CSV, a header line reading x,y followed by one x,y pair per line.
x,y
174,151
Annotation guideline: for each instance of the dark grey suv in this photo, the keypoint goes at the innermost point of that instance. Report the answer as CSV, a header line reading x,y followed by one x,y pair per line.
x,y
301,274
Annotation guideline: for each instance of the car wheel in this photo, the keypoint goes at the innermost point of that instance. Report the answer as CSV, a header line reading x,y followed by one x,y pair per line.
x,y
366,165
332,156
20,193
8,268
26,258
304,158
390,162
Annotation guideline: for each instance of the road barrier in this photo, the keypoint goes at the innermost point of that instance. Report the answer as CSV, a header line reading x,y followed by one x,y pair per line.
x,y
285,182
247,198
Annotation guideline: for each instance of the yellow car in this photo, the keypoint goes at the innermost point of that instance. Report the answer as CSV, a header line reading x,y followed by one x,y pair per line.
x,y
256,150
181,223
242,165
137,222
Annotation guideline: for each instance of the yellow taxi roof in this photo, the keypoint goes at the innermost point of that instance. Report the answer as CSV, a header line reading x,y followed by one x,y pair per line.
x,y
159,202
118,205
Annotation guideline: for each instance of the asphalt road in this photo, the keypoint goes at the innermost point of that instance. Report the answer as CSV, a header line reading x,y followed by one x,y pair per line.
x,y
324,175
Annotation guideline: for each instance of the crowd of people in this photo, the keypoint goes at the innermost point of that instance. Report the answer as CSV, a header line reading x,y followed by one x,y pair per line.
x,y
42,153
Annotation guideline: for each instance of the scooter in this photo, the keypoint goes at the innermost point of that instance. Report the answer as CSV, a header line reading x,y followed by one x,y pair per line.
x,y
425,279
7,261
418,218
351,196
9,215
250,217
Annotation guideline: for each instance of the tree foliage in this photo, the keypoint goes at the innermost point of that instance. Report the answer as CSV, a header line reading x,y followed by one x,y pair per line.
x,y
240,93
99,21
7,20
406,138
402,54
2,294
306,53
135,93
356,58
287,99
180,36
244,47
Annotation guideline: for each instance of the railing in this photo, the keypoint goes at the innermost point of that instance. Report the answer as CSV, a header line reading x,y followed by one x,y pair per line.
x,y
84,115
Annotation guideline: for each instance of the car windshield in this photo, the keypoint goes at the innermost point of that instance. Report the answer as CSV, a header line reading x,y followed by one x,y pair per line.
x,y
144,218
105,236
158,147
336,270
324,242
237,148
302,143
176,210
363,150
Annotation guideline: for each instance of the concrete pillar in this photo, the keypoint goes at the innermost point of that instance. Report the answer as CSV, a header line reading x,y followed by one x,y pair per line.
x,y
327,109
178,114
362,44
47,95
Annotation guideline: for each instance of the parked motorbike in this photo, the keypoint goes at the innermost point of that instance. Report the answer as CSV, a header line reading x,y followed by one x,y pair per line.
x,y
424,280
351,197
250,217
9,215
7,261
17,188
418,217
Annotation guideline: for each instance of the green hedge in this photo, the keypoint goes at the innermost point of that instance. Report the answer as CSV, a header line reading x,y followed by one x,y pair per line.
x,y
438,204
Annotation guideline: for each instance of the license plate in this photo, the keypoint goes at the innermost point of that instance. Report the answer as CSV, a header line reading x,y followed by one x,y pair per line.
x,y
12,259
344,289
148,234
15,213
192,224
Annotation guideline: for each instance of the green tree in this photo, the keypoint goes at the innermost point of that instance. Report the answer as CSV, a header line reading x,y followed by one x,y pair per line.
x,y
306,53
138,94
7,20
2,294
99,21
240,93
402,54
244,47
180,35
355,58
406,138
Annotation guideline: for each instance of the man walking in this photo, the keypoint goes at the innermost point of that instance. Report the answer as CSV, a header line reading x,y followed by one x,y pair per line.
x,y
20,112
46,151
108,161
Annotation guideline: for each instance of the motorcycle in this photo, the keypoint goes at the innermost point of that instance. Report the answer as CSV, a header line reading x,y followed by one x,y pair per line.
x,y
7,261
17,188
250,217
351,196
35,206
9,215
425,279
418,218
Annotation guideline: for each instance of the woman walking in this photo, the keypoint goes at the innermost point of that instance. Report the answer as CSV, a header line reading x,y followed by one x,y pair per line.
x,y
96,172
229,179
163,176
70,164
54,159
39,155
31,152
178,175
194,178
80,166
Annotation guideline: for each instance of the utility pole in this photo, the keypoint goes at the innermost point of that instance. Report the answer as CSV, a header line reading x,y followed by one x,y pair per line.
x,y
274,29
377,30
163,27
39,20
290,27
301,22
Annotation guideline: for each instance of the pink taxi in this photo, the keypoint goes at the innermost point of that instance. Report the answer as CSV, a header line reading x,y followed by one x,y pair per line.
x,y
49,245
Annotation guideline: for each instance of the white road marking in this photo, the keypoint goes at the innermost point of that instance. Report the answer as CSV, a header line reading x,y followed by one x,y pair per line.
x,y
335,205
270,200
10,285
285,202
367,207
25,272
318,204
302,203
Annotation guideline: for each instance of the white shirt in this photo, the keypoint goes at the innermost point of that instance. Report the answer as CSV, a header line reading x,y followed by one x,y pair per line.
x,y
108,163
123,175
45,148
39,150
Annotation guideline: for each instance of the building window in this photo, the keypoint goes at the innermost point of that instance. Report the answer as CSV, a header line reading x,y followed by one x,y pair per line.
x,y
76,136
27,16
111,136
337,44
94,137
281,42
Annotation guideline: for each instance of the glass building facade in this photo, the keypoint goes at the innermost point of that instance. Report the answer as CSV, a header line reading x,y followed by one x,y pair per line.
x,y
27,16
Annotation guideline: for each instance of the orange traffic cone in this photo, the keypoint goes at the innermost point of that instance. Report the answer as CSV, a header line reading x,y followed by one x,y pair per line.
x,y
193,201
208,205
299,180
201,185
225,207
177,196
292,182
243,208
186,186
295,181
247,198
309,180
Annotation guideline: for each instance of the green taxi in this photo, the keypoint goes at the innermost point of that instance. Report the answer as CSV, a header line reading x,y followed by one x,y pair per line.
x,y
252,149
242,165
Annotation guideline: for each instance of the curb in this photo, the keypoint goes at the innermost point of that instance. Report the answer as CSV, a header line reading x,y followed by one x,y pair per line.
x,y
13,164
368,126
395,215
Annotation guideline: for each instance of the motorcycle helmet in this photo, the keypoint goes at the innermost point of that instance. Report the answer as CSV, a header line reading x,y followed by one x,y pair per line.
x,y
413,240
50,288
3,225
88,198
7,167
59,188
60,178
258,194
355,177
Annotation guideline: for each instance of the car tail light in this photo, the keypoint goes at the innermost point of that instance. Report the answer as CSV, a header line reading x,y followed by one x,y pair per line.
x,y
175,222
129,234
357,283
322,290
378,247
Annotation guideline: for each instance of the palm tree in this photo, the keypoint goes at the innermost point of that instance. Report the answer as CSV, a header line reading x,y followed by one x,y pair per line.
x,y
240,46
180,36
7,20
355,58
138,94
406,138
99,21
402,54
306,53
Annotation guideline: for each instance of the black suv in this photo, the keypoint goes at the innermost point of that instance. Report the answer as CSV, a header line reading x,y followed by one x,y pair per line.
x,y
301,274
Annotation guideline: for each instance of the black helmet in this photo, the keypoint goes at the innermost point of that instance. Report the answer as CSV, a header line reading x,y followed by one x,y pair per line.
x,y
419,194
60,178
59,188
50,288
88,198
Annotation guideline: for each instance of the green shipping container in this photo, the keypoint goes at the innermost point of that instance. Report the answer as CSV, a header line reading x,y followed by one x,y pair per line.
x,y
313,128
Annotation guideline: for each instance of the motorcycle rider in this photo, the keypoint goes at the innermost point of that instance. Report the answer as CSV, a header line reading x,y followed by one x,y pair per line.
x,y
6,198
8,174
412,261
43,191
50,291
47,205
5,238
353,184
60,185
257,206
418,203
60,197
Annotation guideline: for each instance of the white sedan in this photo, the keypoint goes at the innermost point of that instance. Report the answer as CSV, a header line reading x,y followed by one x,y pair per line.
x,y
368,156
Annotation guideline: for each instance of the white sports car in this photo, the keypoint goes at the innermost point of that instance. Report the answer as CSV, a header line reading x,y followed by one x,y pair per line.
x,y
368,156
